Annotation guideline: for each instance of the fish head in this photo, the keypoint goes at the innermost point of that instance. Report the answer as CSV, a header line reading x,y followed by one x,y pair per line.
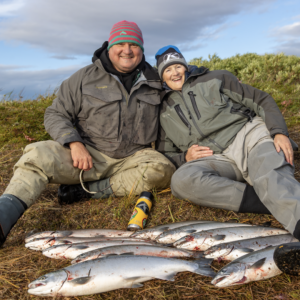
x,y
231,274
49,284
218,251
40,243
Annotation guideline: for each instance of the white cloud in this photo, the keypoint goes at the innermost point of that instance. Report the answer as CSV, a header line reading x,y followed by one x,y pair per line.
x,y
33,83
71,27
8,8
288,38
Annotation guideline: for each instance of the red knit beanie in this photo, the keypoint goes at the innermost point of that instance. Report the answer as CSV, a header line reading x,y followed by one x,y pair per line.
x,y
125,32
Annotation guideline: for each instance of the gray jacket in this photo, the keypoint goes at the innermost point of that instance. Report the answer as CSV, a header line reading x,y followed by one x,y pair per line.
x,y
211,109
94,108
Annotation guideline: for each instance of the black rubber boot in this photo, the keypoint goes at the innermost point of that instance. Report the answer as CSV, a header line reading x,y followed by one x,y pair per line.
x,y
251,203
287,258
68,194
11,209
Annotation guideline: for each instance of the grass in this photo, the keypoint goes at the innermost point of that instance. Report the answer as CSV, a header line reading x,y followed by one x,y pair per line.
x,y
19,266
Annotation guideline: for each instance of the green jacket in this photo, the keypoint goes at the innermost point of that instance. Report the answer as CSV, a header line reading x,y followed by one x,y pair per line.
x,y
93,107
211,109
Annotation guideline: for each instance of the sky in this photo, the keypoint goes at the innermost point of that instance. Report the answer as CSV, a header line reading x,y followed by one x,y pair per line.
x,y
43,42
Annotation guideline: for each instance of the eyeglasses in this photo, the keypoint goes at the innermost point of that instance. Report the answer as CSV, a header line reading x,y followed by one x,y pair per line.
x,y
171,56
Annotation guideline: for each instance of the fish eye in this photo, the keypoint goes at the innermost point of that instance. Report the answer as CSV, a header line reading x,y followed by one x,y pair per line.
x,y
42,278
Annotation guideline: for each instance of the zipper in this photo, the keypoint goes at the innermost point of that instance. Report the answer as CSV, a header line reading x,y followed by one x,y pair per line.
x,y
244,113
197,127
182,117
192,97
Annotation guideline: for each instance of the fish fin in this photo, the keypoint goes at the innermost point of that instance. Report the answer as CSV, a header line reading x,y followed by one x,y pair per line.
x,y
246,250
219,237
266,224
190,231
136,286
258,264
128,253
79,246
65,233
112,254
204,267
80,280
166,276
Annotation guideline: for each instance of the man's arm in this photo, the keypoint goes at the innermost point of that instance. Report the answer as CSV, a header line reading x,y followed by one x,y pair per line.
x,y
60,117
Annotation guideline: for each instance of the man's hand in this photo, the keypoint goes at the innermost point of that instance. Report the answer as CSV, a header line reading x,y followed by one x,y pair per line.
x,y
81,156
283,143
196,152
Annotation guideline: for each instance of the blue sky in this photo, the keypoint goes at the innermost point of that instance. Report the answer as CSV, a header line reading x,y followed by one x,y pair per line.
x,y
43,42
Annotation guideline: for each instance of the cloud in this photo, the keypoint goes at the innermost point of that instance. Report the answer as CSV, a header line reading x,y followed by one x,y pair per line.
x,y
63,57
8,8
68,29
79,27
287,38
32,83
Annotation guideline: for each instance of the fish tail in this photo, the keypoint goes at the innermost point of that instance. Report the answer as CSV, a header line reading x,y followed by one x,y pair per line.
x,y
204,267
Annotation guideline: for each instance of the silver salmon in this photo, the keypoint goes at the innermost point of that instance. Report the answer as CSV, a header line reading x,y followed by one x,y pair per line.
x,y
44,243
153,232
255,266
233,250
79,233
201,241
174,235
111,273
72,251
137,250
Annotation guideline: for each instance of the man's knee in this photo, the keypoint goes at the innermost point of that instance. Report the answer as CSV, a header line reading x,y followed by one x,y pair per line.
x,y
158,174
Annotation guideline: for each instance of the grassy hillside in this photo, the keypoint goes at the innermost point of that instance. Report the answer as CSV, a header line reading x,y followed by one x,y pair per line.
x,y
22,123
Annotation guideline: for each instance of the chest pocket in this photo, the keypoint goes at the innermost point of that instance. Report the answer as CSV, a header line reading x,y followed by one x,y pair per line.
x,y
146,121
102,109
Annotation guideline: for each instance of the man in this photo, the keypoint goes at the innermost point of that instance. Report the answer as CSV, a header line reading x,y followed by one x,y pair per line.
x,y
103,121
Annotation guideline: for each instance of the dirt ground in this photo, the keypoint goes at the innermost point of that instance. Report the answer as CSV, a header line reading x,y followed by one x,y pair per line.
x,y
19,266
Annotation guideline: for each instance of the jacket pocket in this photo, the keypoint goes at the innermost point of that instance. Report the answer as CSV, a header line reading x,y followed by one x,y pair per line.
x,y
242,111
101,109
194,104
147,114
182,117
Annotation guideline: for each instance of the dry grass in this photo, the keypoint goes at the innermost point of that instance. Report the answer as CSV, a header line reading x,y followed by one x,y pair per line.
x,y
19,266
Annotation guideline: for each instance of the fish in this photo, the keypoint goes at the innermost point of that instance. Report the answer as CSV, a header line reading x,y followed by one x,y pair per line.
x,y
258,265
203,240
153,232
80,233
113,272
73,250
233,250
137,250
174,235
44,243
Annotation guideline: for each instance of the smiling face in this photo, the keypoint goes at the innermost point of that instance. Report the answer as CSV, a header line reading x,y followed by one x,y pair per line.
x,y
174,76
125,57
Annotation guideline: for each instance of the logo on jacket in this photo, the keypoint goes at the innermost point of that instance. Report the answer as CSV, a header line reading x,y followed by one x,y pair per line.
x,y
123,32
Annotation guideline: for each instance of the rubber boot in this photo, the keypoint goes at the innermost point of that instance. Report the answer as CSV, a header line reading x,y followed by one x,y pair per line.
x,y
68,194
287,258
251,203
11,209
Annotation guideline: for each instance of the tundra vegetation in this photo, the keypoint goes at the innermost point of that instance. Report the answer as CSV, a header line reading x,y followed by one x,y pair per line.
x,y
21,123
